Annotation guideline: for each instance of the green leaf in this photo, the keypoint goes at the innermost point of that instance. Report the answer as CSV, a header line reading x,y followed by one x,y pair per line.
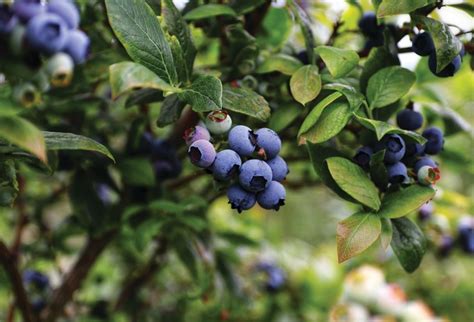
x,y
356,233
209,10
138,29
352,179
179,61
305,84
245,101
137,172
378,171
23,134
447,45
69,141
389,85
318,154
382,128
379,57
313,116
339,62
8,107
8,183
396,7
178,27
304,20
331,121
204,94
386,233
355,98
282,63
245,6
129,76
400,203
408,243
170,111
284,116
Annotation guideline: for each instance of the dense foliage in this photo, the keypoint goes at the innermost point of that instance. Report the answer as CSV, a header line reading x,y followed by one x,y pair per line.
x,y
129,129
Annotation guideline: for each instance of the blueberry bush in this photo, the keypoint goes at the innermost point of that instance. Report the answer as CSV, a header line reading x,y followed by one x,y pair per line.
x,y
147,145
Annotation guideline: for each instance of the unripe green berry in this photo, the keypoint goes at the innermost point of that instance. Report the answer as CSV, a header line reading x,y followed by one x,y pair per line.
x,y
218,122
27,95
60,70
428,175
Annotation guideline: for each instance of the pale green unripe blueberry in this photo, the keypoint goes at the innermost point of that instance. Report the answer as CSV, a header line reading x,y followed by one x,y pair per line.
x,y
27,95
428,175
247,66
17,40
60,70
218,122
250,82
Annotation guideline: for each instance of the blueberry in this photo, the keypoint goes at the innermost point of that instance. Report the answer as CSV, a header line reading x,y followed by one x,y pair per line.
x,y
273,197
105,194
423,44
167,168
394,147
279,168
409,119
368,24
218,122
27,9
413,149
363,155
77,46
8,20
397,173
193,134
240,199
47,33
162,149
375,40
425,161
445,245
255,175
269,141
35,278
303,57
202,153
226,165
466,234
66,10
449,70
428,175
242,140
426,211
145,144
435,142
27,95
275,276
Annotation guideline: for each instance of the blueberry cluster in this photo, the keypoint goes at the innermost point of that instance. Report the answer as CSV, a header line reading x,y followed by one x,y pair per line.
x,y
401,155
33,29
275,276
423,45
251,161
166,162
372,30
37,285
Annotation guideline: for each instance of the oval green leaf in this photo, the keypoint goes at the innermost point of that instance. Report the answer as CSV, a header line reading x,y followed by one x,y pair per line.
x,y
208,11
402,202
339,62
408,243
245,101
305,84
204,94
397,7
282,63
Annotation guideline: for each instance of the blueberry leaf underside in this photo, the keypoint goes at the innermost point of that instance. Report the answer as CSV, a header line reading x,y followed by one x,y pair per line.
x,y
408,243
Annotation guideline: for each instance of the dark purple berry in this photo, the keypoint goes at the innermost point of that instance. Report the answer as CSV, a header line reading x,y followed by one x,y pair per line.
x,y
279,168
363,155
449,70
445,245
242,140
47,33
466,234
397,173
423,44
167,168
202,153
226,165
435,142
269,141
255,175
409,120
77,46
27,9
273,197
368,24
240,199
303,57
394,147
66,10
193,134
35,278
8,20
275,277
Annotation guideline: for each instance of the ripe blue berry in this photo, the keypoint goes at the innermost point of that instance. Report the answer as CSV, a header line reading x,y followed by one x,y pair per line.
x,y
275,276
413,149
368,24
218,122
255,175
47,33
226,165
240,199
242,140
409,119
77,46
423,44
445,245
426,211
466,234
269,141
279,168
193,134
35,278
397,173
8,20
435,140
27,9
66,10
394,147
428,175
273,197
363,155
449,70
202,153
425,161
167,168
